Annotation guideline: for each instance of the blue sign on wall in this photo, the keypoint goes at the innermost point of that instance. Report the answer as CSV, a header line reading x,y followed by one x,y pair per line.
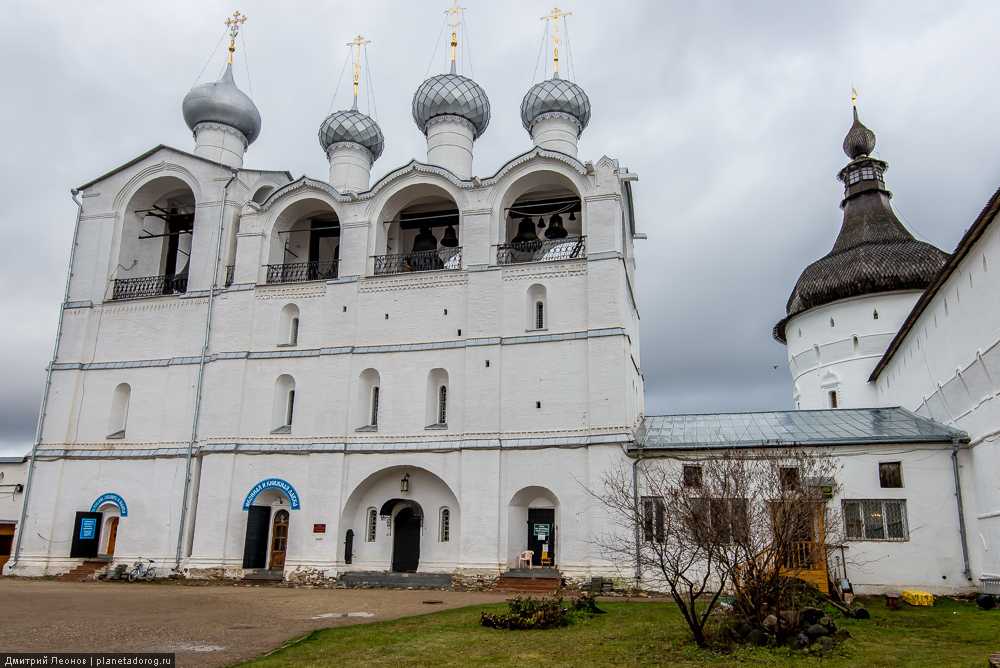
x,y
88,528
272,483
110,497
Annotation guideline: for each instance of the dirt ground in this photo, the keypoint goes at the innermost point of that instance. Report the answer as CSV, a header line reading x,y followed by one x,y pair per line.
x,y
206,625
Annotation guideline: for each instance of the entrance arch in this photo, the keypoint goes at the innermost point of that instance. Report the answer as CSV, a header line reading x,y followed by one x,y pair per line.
x,y
267,505
385,512
533,515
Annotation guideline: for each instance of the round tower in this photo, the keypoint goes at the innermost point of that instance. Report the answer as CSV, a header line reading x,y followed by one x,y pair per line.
x,y
848,305
452,111
224,119
555,111
352,140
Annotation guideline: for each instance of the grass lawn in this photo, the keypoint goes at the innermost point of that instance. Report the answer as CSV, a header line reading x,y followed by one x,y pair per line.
x,y
643,633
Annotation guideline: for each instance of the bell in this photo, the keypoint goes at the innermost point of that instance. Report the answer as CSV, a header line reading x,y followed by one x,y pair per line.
x,y
541,223
525,231
450,238
424,241
556,229
572,215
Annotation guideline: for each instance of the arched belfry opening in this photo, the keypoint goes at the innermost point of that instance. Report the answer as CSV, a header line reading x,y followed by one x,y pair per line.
x,y
156,239
420,231
542,220
305,243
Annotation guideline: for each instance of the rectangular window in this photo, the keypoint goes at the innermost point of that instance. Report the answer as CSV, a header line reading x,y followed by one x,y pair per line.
x,y
372,525
833,398
720,521
539,315
692,475
875,519
652,519
293,334
789,478
890,474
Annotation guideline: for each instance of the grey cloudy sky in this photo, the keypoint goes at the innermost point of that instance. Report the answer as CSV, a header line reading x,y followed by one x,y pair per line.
x,y
732,113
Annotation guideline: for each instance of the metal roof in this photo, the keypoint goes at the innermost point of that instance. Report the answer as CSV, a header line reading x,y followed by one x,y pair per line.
x,y
841,426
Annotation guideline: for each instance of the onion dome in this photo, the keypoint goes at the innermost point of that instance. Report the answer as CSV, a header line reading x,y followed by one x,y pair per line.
x,y
350,125
222,102
451,94
874,252
555,95
860,141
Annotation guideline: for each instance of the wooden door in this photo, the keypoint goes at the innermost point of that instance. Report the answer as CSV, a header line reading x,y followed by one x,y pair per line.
x,y
279,540
112,536
406,541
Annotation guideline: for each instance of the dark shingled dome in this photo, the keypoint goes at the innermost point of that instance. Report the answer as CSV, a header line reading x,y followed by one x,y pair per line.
x,y
874,252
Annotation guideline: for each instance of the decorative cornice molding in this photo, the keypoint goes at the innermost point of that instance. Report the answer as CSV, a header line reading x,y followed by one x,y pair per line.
x,y
556,115
450,118
349,147
424,280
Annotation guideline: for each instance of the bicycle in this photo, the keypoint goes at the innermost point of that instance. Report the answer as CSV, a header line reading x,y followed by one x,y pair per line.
x,y
142,570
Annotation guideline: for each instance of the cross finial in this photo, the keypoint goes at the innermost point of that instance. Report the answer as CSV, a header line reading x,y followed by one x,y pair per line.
x,y
358,42
454,20
233,23
554,16
854,97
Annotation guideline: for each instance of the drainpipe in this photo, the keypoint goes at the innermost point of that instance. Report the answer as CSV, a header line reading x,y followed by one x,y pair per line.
x,y
48,381
201,372
961,510
635,501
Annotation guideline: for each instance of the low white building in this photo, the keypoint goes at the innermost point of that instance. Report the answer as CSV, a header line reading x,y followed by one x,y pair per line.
x,y
430,373
12,476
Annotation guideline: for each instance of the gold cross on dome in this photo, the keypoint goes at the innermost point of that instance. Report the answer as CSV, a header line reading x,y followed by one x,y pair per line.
x,y
454,19
854,96
233,23
554,17
357,43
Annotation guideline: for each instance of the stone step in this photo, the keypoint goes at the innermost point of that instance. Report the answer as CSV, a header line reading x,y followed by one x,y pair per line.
x,y
262,575
84,571
533,573
388,580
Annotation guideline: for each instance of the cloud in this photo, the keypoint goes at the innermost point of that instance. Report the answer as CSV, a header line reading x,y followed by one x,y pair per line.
x,y
732,113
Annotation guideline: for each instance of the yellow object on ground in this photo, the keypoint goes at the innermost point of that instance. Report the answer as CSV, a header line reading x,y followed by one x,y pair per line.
x,y
914,597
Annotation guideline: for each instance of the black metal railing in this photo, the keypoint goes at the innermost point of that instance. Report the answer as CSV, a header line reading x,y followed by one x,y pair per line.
x,y
547,250
317,270
230,274
149,286
442,258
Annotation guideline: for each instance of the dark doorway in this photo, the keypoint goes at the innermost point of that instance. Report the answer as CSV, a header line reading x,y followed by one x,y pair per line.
x,y
542,535
86,535
349,547
406,541
6,543
255,548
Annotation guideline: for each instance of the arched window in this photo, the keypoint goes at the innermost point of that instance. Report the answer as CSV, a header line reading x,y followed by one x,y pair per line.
x,y
288,326
444,529
537,316
284,405
368,402
371,525
119,411
437,399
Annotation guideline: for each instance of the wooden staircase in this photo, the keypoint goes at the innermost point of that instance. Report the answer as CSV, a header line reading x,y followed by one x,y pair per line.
x,y
83,572
530,581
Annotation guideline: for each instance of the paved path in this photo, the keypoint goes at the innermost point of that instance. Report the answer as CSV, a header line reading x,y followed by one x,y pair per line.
x,y
206,625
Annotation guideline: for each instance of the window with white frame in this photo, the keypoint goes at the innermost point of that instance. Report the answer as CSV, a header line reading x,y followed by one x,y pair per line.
x,y
875,519
444,530
371,525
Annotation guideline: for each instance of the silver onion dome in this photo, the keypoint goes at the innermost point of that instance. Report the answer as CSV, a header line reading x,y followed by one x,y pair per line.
x,y
451,94
350,125
555,96
222,102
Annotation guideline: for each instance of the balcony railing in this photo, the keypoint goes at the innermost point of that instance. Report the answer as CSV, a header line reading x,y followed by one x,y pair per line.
x,y
230,274
547,250
442,258
317,270
149,286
